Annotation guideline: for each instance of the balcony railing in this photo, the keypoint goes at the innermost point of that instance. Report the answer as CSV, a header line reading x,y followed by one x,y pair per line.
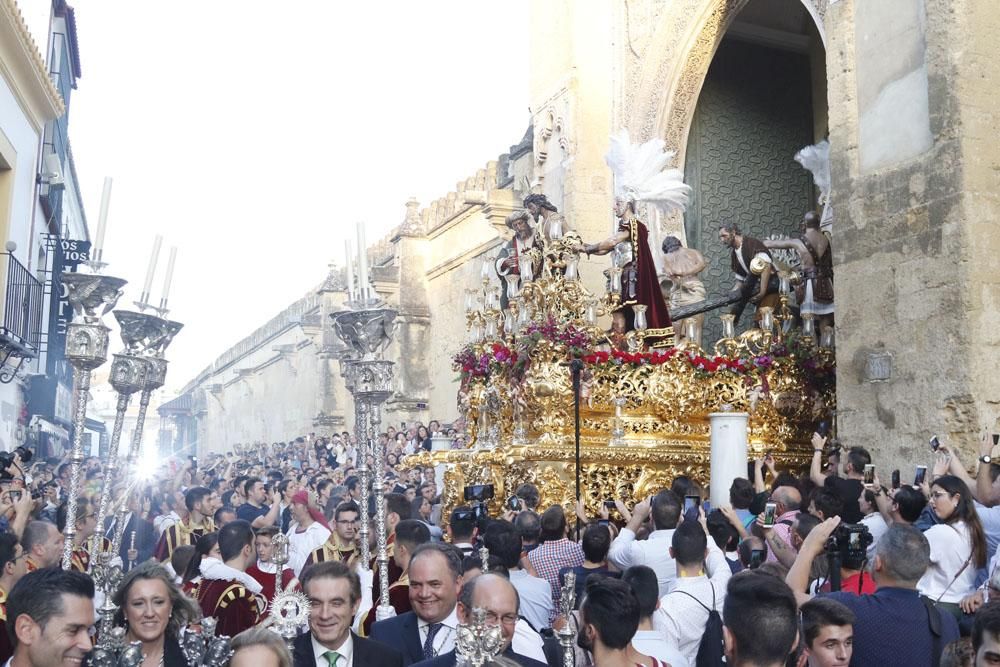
x,y
21,332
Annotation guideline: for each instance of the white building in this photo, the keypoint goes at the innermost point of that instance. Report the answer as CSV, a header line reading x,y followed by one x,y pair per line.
x,y
28,101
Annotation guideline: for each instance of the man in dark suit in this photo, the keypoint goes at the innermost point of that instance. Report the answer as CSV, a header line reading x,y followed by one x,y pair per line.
x,y
145,534
435,575
334,592
496,595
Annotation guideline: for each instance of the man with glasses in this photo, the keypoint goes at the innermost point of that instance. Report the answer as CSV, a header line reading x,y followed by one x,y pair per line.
x,y
12,568
86,526
342,544
497,597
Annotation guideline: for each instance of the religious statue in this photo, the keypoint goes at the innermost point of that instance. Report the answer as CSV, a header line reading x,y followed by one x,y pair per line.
x,y
514,258
682,266
815,294
549,223
756,279
640,177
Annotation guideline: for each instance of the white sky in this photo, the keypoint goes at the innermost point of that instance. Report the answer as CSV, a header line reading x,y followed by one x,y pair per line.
x,y
253,135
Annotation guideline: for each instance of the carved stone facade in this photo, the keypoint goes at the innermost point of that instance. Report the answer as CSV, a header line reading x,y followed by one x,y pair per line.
x,y
914,198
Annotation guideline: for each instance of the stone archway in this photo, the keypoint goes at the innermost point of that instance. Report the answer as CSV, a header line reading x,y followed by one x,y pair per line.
x,y
676,62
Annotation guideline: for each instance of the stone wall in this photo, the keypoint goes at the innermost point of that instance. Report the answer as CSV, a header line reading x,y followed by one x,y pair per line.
x,y
912,92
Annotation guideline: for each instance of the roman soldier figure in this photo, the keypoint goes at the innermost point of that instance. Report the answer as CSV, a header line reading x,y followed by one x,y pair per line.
x,y
640,176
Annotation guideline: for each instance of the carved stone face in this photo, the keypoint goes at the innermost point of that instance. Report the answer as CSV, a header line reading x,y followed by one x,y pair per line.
x,y
620,206
521,228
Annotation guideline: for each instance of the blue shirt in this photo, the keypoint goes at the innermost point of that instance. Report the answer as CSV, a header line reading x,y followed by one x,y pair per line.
x,y
892,629
248,512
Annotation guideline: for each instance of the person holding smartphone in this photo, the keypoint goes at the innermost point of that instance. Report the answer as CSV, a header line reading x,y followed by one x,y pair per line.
x,y
847,487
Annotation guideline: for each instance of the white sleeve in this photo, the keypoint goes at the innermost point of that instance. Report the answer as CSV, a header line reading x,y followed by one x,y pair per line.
x,y
620,552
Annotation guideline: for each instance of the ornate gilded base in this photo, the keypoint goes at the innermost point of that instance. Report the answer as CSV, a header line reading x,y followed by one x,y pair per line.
x,y
628,473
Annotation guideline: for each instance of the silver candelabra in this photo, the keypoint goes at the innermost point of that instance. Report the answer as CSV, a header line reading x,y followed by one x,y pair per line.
x,y
87,340
367,329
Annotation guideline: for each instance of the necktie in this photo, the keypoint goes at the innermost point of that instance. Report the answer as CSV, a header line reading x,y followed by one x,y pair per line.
x,y
432,631
332,657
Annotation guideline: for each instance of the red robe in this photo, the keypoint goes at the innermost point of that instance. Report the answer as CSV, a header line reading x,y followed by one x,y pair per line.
x,y
231,604
647,288
267,580
399,599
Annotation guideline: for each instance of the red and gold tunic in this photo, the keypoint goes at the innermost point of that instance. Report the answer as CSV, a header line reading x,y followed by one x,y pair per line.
x,y
179,534
333,549
267,580
6,650
399,599
80,559
231,604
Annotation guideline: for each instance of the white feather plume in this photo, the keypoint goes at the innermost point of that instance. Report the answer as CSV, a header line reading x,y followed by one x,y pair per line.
x,y
817,160
641,173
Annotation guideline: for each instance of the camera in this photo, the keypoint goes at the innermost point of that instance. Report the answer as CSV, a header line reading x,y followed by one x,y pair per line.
x,y
7,458
849,547
479,493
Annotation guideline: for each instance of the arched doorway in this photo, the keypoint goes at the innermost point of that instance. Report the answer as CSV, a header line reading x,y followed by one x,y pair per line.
x,y
762,99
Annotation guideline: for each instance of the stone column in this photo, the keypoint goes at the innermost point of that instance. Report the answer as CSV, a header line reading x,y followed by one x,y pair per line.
x,y
729,452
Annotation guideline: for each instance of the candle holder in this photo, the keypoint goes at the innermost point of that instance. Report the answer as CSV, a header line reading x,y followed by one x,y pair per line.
x,y
766,318
128,375
87,340
618,423
727,345
368,377
148,336
639,310
567,601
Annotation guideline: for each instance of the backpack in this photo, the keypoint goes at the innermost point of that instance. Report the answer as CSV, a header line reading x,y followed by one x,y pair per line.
x,y
712,649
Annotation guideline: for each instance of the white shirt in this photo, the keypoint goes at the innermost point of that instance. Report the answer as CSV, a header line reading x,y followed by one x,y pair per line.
x,y
682,620
652,643
444,640
527,642
951,545
877,527
300,545
346,651
653,552
536,598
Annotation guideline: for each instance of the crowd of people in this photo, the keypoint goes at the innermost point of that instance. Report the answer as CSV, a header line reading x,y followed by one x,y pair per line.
x,y
831,567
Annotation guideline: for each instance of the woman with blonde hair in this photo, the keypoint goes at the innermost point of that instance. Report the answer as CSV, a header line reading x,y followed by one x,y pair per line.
x,y
259,647
153,611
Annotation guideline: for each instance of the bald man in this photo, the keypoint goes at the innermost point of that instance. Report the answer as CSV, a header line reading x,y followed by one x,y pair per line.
x,y
779,539
494,594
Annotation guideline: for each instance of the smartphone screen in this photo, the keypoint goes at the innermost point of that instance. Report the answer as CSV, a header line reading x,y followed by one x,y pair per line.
x,y
691,503
756,558
895,479
935,443
770,514
918,479
610,504
869,473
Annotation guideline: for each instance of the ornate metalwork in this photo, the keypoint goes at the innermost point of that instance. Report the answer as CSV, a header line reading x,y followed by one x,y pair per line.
x,y
477,642
367,330
567,602
91,296
205,648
